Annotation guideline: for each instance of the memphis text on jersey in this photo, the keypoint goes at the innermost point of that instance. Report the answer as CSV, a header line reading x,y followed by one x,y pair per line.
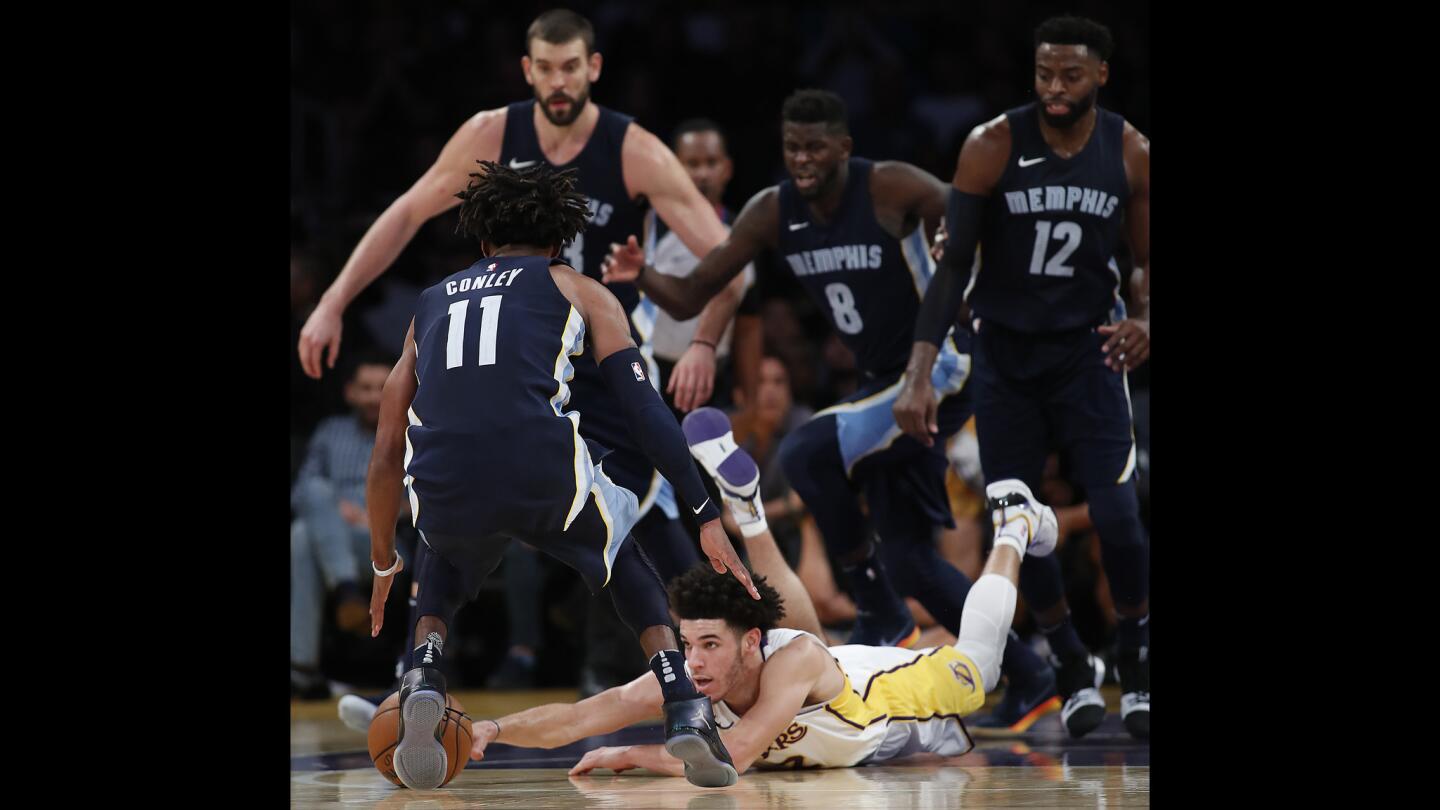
x,y
1061,198
831,259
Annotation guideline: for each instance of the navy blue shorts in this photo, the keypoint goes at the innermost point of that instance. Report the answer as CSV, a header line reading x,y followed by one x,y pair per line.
x,y
1035,393
892,467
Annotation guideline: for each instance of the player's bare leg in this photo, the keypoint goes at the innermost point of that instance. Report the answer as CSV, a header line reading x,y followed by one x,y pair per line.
x,y
707,430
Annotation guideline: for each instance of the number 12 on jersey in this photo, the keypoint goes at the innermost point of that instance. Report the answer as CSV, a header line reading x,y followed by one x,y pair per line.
x,y
1070,232
489,323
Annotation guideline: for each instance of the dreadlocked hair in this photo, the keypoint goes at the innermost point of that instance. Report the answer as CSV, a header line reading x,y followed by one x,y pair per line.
x,y
532,206
700,593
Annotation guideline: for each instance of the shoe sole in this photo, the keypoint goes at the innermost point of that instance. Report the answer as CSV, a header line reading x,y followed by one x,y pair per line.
x,y
420,759
702,768
1017,728
356,713
707,432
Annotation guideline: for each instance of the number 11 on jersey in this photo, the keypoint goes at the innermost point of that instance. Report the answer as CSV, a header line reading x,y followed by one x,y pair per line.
x,y
489,323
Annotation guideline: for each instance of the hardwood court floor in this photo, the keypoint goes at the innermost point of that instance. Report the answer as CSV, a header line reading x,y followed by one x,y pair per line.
x,y
1043,768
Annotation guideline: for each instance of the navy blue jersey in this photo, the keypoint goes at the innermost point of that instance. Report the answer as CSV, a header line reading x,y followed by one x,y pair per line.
x,y
490,445
1049,231
613,218
869,283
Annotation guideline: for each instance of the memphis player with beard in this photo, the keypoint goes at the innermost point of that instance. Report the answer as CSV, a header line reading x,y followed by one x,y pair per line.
x,y
618,162
1047,190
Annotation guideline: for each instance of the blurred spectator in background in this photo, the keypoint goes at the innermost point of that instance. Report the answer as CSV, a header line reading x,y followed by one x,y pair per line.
x,y
758,427
330,536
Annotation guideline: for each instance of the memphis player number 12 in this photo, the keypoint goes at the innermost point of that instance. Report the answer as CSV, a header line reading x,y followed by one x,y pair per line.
x,y
1070,232
489,322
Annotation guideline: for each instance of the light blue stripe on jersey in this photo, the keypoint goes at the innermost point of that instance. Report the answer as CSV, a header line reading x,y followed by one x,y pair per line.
x,y
868,426
916,250
572,342
620,510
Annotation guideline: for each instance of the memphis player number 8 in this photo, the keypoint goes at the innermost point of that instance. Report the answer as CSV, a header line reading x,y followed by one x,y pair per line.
x,y
1070,232
489,322
842,303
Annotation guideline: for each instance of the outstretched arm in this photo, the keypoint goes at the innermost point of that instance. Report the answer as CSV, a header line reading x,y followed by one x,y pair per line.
x,y
753,230
789,677
434,193
383,481
981,163
556,724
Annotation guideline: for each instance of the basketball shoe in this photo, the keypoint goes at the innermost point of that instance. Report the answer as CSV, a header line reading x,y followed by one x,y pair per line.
x,y
1009,502
420,759
1134,666
1022,704
691,736
1078,679
356,711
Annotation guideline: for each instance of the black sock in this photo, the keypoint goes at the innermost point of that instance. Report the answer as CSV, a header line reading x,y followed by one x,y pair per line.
x,y
675,683
1134,633
1064,642
872,589
428,654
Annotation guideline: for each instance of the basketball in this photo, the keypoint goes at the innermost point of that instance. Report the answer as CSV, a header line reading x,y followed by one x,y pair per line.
x,y
384,735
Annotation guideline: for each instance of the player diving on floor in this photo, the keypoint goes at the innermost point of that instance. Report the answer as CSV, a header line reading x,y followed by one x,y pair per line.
x,y
781,698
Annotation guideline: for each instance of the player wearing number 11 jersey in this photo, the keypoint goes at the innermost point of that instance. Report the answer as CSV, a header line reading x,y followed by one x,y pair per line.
x,y
854,233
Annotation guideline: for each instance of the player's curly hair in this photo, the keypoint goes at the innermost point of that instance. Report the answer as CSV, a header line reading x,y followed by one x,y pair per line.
x,y
700,593
532,206
1071,30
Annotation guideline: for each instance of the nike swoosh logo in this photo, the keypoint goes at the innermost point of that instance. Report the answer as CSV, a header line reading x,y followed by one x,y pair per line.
x,y
702,506
1031,162
795,226
520,164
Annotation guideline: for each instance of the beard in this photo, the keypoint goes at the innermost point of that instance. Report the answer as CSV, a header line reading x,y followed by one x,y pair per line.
x,y
1076,112
577,106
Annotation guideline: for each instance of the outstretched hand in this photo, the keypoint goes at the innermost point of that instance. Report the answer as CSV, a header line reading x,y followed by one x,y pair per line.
x,y
716,545
624,262
379,592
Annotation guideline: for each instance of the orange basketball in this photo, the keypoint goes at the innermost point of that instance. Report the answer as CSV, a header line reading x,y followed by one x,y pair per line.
x,y
384,735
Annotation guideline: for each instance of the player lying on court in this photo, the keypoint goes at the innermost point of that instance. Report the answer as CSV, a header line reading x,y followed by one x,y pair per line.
x,y
783,699
473,418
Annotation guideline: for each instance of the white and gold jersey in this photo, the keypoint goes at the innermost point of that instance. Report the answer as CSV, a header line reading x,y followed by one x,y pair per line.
x,y
895,702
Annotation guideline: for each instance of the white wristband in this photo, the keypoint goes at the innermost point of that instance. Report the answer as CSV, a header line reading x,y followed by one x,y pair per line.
x,y
388,571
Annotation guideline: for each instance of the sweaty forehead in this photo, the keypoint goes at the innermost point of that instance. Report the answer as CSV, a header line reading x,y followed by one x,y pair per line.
x,y
1061,56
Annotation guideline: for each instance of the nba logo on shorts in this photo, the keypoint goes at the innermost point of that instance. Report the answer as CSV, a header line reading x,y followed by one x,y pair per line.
x,y
639,375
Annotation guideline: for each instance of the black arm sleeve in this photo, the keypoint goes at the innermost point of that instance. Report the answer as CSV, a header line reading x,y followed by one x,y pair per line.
x,y
655,429
947,289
